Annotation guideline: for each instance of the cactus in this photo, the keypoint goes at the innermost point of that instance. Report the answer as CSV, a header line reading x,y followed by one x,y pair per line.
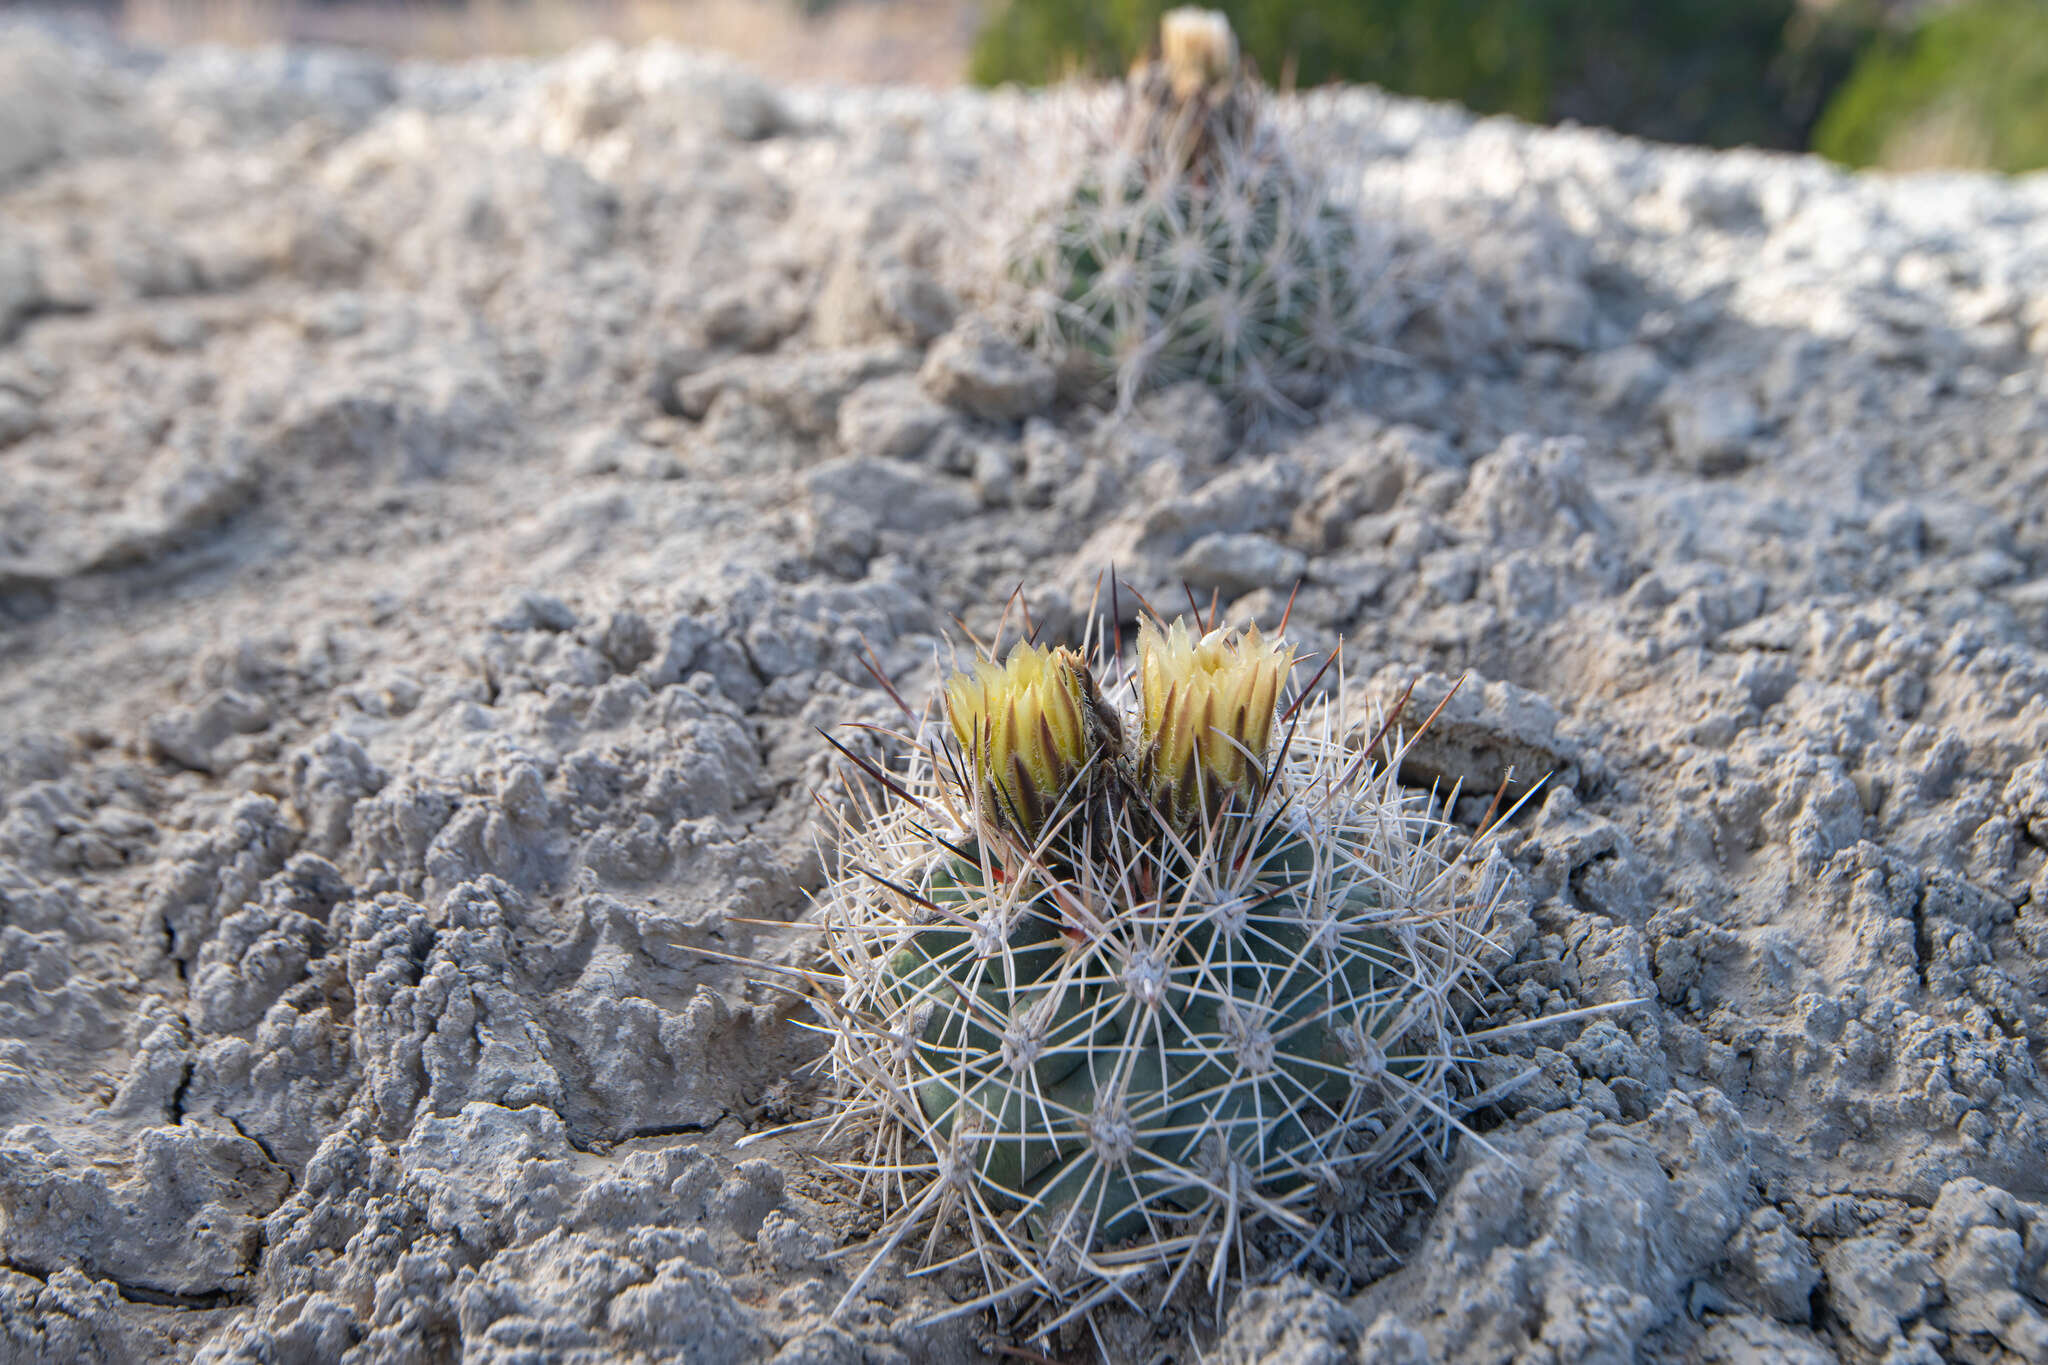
x,y
1122,980
1191,245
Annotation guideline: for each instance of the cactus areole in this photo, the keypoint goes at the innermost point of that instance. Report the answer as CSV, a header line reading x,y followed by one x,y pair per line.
x,y
1122,975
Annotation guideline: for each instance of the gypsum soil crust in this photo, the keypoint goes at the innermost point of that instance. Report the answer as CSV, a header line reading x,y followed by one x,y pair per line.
x,y
436,503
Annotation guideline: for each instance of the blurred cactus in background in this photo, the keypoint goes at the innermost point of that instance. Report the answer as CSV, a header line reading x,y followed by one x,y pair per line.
x,y
1189,243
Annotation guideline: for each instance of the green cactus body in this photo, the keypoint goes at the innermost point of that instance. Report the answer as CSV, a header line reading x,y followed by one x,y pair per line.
x,y
1251,286
1126,1075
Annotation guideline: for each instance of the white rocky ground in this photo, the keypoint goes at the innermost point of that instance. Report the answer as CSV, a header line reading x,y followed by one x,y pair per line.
x,y
437,503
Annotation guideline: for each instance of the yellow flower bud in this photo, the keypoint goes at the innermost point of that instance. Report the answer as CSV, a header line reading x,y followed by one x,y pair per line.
x,y
1209,708
1028,727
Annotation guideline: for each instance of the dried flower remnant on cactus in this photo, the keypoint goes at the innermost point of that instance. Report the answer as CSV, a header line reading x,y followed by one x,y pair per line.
x,y
1030,729
1198,49
1208,716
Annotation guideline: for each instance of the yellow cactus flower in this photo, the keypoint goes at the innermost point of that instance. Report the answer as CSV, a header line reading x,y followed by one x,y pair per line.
x,y
1029,726
1209,705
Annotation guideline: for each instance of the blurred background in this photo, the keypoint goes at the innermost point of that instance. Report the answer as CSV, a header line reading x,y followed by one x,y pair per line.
x,y
1900,84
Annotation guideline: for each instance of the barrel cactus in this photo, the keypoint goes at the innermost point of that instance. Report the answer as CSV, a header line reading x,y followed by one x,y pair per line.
x,y
1189,244
1122,979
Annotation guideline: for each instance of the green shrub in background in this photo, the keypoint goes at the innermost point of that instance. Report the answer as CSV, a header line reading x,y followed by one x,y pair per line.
x,y
1968,87
1721,72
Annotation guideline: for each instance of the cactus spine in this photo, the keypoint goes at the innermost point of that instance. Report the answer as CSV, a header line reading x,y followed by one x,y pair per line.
x,y
1191,245
1120,980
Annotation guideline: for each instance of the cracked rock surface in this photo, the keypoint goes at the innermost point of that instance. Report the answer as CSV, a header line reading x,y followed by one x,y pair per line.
x,y
438,504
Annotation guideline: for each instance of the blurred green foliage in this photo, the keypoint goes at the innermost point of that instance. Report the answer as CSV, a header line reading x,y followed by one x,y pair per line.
x,y
1969,86
1721,72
